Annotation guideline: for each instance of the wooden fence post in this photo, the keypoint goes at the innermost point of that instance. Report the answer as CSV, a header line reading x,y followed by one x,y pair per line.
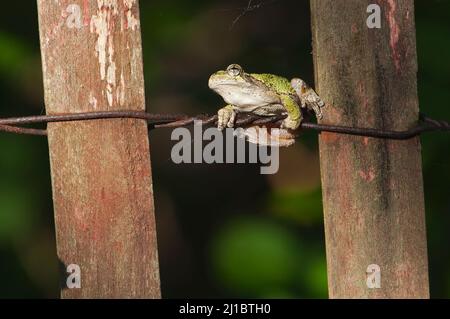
x,y
101,175
372,188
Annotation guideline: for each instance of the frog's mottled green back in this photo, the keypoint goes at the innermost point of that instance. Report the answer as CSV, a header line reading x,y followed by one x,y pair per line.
x,y
277,83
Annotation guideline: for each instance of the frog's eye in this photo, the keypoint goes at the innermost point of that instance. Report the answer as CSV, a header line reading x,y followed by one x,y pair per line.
x,y
234,69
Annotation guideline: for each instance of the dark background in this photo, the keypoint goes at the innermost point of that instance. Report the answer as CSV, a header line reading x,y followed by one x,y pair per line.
x,y
223,230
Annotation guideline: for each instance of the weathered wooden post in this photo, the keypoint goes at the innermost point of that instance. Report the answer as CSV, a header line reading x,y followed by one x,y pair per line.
x,y
101,175
372,188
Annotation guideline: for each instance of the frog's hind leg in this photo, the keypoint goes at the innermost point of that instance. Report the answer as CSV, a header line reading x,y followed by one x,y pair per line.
x,y
295,116
265,136
270,110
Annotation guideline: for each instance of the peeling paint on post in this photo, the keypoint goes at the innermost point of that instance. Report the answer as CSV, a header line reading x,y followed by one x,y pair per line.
x,y
101,175
372,188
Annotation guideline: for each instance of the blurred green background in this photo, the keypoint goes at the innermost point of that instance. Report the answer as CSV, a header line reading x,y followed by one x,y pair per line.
x,y
223,230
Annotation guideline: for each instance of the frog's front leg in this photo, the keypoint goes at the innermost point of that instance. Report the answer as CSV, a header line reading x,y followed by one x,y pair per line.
x,y
308,97
226,117
295,117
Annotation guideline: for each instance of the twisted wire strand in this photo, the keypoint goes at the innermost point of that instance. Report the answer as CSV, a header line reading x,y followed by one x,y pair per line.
x,y
15,124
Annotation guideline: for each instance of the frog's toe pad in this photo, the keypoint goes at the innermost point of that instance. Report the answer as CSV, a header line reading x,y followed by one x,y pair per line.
x,y
232,119
290,124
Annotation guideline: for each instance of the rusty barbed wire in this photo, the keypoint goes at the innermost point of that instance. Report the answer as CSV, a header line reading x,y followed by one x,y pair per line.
x,y
15,124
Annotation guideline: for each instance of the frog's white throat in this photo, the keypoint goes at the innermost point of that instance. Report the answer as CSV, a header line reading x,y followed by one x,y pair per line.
x,y
246,97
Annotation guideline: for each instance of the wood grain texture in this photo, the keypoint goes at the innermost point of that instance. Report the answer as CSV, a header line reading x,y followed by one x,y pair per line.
x,y
101,174
372,188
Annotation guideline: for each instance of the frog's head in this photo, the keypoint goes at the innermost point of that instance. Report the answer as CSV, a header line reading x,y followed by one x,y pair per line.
x,y
239,88
233,77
